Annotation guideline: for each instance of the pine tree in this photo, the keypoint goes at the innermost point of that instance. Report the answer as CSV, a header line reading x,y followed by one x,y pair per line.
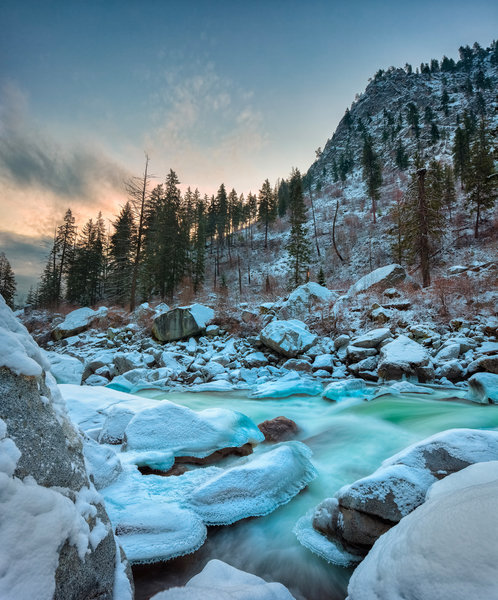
x,y
283,198
7,281
413,119
298,245
449,193
401,158
66,238
461,155
199,245
423,222
372,172
122,243
267,207
321,277
480,183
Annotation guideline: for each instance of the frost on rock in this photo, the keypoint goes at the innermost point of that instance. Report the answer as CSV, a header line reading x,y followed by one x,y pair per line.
x,y
380,279
256,486
220,581
306,299
179,431
77,321
483,388
289,338
403,357
348,388
290,384
424,553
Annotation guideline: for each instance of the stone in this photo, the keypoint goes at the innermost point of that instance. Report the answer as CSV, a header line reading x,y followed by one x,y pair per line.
x,y
278,429
323,361
255,359
392,293
365,366
448,352
51,465
484,363
380,314
213,330
341,340
452,370
182,323
379,280
96,380
356,353
372,339
77,321
297,364
289,338
305,300
65,368
403,357
248,316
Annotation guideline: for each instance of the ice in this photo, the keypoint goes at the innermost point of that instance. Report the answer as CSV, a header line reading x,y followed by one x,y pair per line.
x,y
18,351
446,548
101,462
220,581
320,545
348,388
218,385
255,486
402,387
65,368
483,388
168,427
289,385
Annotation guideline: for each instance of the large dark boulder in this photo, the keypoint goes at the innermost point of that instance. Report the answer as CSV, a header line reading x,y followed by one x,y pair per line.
x,y
278,429
182,323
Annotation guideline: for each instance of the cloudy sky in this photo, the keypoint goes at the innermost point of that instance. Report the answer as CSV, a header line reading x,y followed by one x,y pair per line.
x,y
221,91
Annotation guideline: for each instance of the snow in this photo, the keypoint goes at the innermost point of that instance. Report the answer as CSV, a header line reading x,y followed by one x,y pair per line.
x,y
404,351
348,388
36,522
122,586
290,384
255,486
446,548
179,431
483,388
65,368
18,351
220,581
79,319
202,314
101,462
290,338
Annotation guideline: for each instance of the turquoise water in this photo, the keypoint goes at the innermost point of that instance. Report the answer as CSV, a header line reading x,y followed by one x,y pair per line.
x,y
349,440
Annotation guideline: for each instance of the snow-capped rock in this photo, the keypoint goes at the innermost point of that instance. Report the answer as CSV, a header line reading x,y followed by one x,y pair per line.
x,y
372,338
289,338
182,323
379,280
404,357
77,321
65,368
348,388
305,300
483,388
291,384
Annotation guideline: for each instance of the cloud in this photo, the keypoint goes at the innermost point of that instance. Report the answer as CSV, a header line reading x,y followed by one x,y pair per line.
x,y
206,128
43,175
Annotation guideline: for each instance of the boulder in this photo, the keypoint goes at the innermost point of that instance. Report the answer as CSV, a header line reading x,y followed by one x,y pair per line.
x,y
484,363
255,359
297,364
182,323
367,508
483,388
372,339
323,362
404,357
357,353
278,429
77,321
305,300
65,368
451,370
54,525
289,338
379,280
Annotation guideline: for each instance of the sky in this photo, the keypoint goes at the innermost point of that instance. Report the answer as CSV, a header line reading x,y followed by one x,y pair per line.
x,y
218,90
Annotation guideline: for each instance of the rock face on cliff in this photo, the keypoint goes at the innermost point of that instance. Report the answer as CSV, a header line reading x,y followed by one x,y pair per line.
x,y
57,540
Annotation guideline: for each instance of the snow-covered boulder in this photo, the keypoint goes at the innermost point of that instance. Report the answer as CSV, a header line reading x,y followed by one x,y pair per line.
x,y
367,508
182,323
57,541
65,368
446,548
156,435
348,388
379,280
126,361
255,486
372,339
323,362
289,338
291,384
306,300
220,581
483,388
488,363
255,359
77,321
404,357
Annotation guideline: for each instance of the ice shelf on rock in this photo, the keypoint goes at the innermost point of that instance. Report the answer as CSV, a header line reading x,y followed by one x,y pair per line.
x,y
289,385
171,428
255,486
483,388
348,388
65,368
220,581
424,553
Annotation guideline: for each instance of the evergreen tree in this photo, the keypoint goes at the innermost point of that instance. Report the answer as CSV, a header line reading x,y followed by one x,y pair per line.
x,y
267,207
423,222
66,238
283,198
7,281
121,247
449,193
298,245
401,158
445,100
221,214
372,172
480,183
413,118
321,277
198,268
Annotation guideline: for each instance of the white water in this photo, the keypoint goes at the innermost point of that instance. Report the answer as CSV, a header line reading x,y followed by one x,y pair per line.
x,y
349,440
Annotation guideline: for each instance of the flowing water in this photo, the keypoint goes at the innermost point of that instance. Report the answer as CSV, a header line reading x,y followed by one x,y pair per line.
x,y
349,440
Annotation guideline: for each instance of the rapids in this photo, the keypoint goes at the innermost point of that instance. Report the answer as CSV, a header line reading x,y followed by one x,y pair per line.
x,y
349,440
